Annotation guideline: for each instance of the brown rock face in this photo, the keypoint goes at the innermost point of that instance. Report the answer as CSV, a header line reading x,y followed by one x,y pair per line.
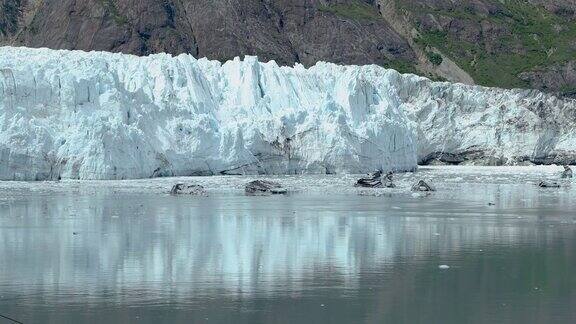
x,y
129,26
555,77
287,31
490,42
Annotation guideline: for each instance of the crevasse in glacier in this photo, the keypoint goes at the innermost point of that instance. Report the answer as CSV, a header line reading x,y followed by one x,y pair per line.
x,y
78,115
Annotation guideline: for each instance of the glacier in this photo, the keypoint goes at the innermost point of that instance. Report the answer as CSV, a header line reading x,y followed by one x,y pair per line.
x,y
97,115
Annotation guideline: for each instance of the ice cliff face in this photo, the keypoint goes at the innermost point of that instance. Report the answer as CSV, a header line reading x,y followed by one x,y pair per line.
x,y
461,124
111,116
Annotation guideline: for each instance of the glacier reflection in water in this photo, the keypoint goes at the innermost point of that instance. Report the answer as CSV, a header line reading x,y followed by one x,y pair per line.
x,y
124,257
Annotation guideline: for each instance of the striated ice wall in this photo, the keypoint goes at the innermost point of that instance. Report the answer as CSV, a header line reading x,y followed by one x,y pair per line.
x,y
112,116
72,114
464,124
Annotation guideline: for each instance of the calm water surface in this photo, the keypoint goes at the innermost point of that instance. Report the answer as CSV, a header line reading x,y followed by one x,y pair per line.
x,y
109,256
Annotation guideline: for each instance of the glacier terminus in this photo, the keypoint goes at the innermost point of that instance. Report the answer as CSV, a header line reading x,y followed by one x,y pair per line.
x,y
97,115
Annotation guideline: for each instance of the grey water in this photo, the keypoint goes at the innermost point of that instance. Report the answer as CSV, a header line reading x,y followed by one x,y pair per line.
x,y
109,256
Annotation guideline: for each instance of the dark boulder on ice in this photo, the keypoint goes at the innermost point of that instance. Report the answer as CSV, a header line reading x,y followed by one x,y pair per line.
x,y
185,189
388,181
567,174
373,181
263,187
369,183
548,184
423,186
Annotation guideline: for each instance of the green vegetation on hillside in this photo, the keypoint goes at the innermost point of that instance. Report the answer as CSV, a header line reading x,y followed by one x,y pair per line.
x,y
111,7
402,66
356,10
434,58
535,38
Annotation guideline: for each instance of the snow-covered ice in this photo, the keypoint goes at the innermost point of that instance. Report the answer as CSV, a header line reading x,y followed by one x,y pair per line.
x,y
97,115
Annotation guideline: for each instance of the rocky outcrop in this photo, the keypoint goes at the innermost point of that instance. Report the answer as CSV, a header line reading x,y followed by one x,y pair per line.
x,y
286,31
559,77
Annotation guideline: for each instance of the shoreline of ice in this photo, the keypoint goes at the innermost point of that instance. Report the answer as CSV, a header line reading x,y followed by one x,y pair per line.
x,y
446,179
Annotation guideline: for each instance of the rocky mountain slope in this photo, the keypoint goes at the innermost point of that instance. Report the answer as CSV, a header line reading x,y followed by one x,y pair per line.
x,y
506,43
100,115
283,30
503,43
